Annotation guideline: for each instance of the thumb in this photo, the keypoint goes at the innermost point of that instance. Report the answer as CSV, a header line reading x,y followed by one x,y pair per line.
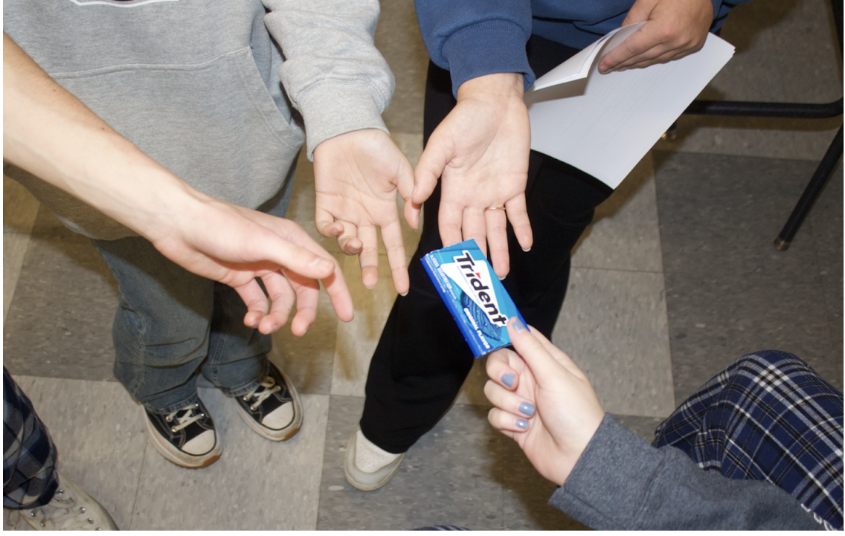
x,y
543,365
433,161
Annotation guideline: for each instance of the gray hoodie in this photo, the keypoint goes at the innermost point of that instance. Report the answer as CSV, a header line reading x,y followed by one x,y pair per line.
x,y
622,483
207,88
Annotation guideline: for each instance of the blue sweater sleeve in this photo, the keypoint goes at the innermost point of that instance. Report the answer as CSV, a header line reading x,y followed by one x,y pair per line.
x,y
472,39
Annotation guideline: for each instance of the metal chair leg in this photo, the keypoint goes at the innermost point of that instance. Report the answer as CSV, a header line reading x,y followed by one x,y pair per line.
x,y
811,193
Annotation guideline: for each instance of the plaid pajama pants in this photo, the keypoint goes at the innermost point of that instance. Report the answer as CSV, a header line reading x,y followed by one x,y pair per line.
x,y
770,417
29,456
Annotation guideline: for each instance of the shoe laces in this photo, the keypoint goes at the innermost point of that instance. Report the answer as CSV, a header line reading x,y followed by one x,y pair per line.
x,y
191,415
269,387
62,513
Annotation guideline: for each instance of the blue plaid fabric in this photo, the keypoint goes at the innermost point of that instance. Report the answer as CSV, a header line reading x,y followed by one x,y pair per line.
x,y
29,456
768,416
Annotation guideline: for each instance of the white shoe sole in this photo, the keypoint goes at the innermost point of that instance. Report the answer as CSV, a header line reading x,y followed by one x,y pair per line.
x,y
176,456
285,433
367,481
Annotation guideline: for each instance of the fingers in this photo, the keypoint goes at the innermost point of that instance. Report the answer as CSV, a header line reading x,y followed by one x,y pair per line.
x,y
450,218
508,401
307,295
349,242
530,348
368,257
518,216
326,225
508,423
255,300
556,354
281,299
391,235
405,185
497,238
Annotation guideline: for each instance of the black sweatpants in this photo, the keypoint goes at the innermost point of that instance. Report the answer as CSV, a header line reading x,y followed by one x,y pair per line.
x,y
422,360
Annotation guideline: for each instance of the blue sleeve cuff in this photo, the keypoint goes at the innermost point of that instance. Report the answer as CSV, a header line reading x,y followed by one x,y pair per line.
x,y
493,46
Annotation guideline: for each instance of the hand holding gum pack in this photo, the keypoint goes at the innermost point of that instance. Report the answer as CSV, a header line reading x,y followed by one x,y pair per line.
x,y
473,294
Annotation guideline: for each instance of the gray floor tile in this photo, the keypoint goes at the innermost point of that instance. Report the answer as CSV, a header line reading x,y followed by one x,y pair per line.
x,y
15,246
59,321
357,340
825,223
452,476
99,435
624,234
728,291
398,39
256,484
308,360
613,326
786,51
642,426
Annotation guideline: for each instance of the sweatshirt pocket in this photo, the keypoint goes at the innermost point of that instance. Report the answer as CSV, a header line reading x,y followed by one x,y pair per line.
x,y
213,124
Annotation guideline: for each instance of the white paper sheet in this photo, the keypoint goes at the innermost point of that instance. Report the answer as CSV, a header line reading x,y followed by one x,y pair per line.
x,y
604,124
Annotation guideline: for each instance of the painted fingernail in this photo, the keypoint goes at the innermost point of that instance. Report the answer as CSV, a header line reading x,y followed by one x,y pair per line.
x,y
522,424
518,325
526,409
508,379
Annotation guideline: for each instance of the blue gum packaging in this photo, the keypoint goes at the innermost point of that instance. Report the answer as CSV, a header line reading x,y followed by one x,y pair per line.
x,y
473,294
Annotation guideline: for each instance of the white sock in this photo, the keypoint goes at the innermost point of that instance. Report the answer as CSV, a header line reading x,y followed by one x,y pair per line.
x,y
368,457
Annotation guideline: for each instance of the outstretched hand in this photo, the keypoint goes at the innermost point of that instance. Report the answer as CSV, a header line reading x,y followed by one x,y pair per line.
x,y
357,176
234,245
673,29
542,401
480,152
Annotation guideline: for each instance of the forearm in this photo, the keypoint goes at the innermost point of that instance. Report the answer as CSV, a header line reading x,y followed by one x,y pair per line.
x,y
50,133
622,483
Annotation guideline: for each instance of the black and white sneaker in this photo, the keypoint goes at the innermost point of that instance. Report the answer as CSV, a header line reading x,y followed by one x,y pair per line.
x,y
69,509
185,437
272,409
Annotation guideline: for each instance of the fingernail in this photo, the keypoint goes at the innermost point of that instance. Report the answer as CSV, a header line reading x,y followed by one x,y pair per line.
x,y
273,327
502,278
526,250
405,294
526,409
517,324
508,379
522,424
322,264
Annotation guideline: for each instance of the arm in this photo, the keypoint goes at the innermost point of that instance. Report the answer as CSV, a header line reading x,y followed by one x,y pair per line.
x,y
341,84
50,133
480,151
608,477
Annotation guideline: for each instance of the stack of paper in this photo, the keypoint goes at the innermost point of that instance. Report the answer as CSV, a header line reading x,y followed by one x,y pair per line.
x,y
604,124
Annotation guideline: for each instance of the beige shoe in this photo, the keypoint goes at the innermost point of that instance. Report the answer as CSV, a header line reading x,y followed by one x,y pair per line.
x,y
70,509
368,467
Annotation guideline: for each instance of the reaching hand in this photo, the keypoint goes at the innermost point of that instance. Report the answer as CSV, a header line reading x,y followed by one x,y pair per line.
x,y
549,408
673,29
357,176
234,245
481,152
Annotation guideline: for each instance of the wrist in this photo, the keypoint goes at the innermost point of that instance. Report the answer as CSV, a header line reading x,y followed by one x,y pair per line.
x,y
493,86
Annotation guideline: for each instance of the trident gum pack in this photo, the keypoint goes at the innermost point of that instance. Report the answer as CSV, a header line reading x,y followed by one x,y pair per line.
x,y
473,294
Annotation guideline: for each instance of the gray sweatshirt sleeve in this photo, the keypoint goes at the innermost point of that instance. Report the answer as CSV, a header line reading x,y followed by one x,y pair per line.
x,y
621,482
332,72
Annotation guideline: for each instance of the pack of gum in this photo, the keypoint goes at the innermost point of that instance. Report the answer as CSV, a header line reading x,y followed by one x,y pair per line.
x,y
473,294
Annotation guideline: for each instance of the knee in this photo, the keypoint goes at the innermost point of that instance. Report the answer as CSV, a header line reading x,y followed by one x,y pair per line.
x,y
768,359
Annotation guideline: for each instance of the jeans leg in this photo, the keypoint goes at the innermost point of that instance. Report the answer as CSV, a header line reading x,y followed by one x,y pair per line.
x,y
237,354
161,327
768,416
29,455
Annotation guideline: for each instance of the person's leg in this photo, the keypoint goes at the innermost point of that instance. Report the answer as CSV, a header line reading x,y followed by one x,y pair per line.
x,y
29,455
768,416
421,360
32,485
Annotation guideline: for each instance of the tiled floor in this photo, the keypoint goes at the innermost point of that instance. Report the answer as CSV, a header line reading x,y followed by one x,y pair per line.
x,y
676,278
